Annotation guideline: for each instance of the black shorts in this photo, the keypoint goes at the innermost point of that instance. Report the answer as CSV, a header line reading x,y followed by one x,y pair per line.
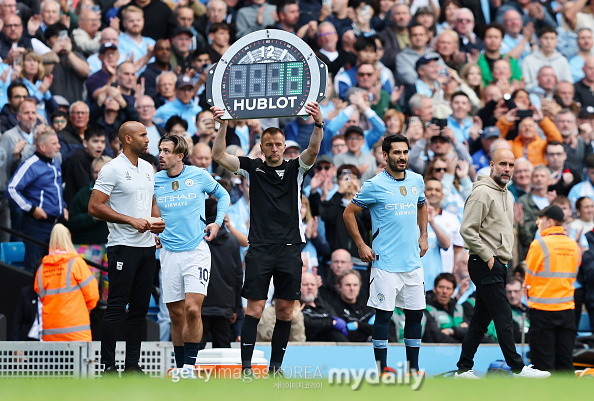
x,y
281,262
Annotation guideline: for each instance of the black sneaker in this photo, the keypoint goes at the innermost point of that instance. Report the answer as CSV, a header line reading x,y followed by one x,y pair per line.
x,y
111,371
276,373
134,370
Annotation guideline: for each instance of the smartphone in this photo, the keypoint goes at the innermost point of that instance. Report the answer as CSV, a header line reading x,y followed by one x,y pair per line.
x,y
114,84
346,175
62,35
509,103
366,12
524,113
440,122
327,3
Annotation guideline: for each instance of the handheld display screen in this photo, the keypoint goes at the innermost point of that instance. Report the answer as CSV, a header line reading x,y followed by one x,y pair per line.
x,y
268,73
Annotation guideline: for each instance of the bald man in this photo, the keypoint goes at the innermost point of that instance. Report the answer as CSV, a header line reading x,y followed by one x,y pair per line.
x,y
487,229
123,196
201,156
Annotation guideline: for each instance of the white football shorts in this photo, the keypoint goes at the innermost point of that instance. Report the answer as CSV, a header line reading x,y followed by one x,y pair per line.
x,y
388,290
185,272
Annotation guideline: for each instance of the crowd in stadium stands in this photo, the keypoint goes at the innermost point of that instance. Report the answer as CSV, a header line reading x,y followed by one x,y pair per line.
x,y
458,78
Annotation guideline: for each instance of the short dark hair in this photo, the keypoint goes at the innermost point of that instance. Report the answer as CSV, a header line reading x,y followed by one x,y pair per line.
x,y
364,43
514,280
15,84
199,52
390,139
415,25
218,26
54,30
445,276
280,6
554,143
546,29
272,131
175,120
459,93
94,130
493,25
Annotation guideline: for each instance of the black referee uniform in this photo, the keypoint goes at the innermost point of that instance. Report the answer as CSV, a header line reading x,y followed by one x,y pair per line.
x,y
275,238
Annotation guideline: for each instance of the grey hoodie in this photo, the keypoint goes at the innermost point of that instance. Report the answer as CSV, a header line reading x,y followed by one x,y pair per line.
x,y
535,61
488,222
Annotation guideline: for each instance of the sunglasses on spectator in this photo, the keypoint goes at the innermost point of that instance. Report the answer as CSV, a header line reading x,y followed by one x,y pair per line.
x,y
439,169
326,167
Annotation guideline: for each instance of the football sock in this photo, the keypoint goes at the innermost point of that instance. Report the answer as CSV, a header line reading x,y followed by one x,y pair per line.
x,y
280,339
412,336
249,330
191,352
179,353
379,334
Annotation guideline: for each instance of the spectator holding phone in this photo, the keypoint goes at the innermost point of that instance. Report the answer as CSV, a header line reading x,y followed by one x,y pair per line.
x,y
528,120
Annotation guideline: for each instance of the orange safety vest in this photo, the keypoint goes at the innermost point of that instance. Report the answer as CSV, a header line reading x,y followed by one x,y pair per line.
x,y
68,290
552,265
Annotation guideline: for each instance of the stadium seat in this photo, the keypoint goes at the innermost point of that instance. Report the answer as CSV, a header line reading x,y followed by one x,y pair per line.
x,y
584,328
13,253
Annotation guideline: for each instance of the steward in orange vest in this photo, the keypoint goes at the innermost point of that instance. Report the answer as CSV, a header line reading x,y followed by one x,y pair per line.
x,y
552,266
68,291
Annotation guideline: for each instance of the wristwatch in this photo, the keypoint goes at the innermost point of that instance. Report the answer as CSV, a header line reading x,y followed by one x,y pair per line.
x,y
320,125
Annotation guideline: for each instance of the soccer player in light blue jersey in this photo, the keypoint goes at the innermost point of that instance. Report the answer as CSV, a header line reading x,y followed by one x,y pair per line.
x,y
396,199
180,193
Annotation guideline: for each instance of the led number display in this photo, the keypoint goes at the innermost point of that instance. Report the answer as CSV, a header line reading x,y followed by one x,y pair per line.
x,y
268,73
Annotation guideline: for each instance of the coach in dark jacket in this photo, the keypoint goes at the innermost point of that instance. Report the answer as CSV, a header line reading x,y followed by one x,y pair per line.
x,y
224,287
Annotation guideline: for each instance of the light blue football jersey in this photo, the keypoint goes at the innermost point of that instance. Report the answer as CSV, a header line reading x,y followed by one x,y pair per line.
x,y
393,206
181,202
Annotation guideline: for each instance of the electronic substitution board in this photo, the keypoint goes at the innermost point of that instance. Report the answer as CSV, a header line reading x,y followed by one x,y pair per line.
x,y
268,73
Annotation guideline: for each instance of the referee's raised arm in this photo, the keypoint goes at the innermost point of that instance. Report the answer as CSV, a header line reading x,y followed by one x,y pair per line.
x,y
308,156
219,145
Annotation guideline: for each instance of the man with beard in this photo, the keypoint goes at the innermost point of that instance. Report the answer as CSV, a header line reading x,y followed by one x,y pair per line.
x,y
491,205
396,200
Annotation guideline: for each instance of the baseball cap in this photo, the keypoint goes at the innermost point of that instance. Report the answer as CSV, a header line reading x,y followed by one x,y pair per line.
x,y
61,101
292,144
324,159
353,129
552,212
424,60
107,46
183,81
180,30
490,132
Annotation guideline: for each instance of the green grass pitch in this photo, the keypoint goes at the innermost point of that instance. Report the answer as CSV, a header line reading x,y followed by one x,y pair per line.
x,y
437,389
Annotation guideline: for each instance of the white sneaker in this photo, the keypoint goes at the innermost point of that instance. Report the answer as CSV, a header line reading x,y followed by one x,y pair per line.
x,y
188,372
469,374
532,373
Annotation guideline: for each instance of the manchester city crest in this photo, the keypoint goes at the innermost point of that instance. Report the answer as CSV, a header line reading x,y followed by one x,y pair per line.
x,y
189,182
415,190
380,297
